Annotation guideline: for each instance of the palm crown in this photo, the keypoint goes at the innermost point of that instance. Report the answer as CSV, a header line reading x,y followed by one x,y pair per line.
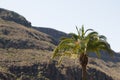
x,y
82,43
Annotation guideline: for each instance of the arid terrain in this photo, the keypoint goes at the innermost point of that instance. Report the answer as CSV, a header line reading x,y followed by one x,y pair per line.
x,y
25,54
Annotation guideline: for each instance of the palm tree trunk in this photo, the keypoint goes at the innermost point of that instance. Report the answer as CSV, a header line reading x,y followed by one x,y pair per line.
x,y
84,73
83,59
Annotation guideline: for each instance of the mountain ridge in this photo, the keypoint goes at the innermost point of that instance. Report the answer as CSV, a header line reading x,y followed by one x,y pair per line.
x,y
8,15
56,34
18,36
13,16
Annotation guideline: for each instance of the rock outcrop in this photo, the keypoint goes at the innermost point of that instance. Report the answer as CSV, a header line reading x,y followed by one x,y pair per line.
x,y
13,16
46,71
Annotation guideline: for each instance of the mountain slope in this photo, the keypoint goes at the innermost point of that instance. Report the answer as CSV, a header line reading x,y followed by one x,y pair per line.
x,y
52,32
16,35
13,16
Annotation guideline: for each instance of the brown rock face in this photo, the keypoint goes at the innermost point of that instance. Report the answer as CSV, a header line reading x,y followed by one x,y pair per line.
x,y
51,72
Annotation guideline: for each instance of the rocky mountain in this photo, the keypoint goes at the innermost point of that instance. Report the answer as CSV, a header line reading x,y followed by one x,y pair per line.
x,y
25,52
52,32
13,35
13,16
15,32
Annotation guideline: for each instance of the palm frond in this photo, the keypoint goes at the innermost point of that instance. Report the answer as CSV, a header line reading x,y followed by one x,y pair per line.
x,y
81,43
60,59
65,41
103,44
102,37
78,31
63,38
83,32
88,30
75,37
98,53
92,34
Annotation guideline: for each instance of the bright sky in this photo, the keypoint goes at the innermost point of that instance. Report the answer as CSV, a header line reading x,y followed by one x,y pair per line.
x,y
100,15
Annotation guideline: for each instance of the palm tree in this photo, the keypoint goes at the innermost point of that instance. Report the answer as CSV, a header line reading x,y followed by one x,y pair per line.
x,y
80,45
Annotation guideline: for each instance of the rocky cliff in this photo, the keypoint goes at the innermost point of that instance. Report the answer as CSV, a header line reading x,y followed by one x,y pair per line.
x,y
51,72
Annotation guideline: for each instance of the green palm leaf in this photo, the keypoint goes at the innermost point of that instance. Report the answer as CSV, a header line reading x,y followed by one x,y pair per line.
x,y
82,43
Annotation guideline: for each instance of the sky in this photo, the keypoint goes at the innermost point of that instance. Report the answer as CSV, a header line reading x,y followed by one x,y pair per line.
x,y
101,15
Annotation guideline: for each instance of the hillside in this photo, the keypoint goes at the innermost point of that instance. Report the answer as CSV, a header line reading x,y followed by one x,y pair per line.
x,y
13,35
25,52
13,16
52,32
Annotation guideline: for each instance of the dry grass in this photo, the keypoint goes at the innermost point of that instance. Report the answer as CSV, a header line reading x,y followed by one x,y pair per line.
x,y
20,31
21,36
23,57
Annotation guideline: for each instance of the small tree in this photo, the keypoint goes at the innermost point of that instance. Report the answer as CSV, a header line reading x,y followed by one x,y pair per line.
x,y
80,45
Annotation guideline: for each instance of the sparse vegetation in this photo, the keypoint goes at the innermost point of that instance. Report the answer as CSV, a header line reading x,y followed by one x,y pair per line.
x,y
18,36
